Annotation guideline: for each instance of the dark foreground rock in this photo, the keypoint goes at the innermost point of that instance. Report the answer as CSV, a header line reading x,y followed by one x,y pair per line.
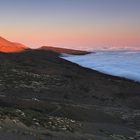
x,y
45,97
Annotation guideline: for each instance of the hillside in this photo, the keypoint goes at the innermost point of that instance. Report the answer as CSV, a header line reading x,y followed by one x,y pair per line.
x,y
9,47
64,50
46,97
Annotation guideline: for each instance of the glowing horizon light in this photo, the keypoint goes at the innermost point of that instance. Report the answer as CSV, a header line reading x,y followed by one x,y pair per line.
x,y
79,24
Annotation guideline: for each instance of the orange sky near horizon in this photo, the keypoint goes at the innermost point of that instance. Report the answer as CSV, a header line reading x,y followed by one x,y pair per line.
x,y
78,24
82,39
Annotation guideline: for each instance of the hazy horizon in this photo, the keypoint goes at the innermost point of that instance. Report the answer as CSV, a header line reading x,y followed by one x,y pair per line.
x,y
76,24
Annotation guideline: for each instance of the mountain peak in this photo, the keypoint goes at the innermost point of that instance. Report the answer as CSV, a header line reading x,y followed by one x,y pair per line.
x,y
10,47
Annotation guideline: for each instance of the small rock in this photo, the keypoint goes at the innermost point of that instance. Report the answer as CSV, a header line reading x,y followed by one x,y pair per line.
x,y
37,123
14,121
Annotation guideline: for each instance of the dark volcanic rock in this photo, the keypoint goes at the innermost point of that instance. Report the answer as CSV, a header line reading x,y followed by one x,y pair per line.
x,y
38,89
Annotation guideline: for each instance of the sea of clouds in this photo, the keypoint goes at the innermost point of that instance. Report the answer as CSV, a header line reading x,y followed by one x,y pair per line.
x,y
122,63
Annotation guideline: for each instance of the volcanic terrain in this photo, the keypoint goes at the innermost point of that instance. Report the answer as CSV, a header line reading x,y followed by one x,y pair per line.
x,y
7,46
44,97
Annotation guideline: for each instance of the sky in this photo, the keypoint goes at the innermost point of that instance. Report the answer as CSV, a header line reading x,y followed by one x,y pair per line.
x,y
78,24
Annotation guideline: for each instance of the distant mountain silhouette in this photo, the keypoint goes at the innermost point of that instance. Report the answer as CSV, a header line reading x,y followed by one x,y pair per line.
x,y
9,47
64,50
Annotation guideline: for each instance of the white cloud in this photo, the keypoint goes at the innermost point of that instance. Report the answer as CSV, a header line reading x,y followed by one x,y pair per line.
x,y
123,63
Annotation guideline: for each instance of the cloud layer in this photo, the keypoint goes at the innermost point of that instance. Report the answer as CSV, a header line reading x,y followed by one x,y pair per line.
x,y
118,63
